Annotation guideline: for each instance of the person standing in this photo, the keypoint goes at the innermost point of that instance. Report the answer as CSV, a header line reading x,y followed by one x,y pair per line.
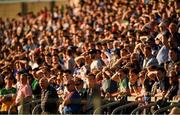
x,y
49,97
71,103
24,95
7,95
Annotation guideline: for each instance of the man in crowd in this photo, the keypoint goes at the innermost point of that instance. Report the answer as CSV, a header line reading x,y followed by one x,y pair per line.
x,y
49,97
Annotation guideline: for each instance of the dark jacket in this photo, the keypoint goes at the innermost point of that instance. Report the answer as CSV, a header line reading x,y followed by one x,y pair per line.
x,y
49,100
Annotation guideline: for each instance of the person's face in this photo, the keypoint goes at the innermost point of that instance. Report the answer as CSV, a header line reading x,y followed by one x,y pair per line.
x,y
172,29
172,55
90,81
23,79
123,53
43,84
59,79
103,55
69,86
47,59
9,83
177,68
147,52
55,59
66,76
121,74
134,57
18,77
133,77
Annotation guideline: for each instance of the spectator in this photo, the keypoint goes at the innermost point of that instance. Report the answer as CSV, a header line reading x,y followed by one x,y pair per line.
x,y
93,94
135,89
173,89
149,59
49,97
7,95
24,95
162,55
122,79
71,103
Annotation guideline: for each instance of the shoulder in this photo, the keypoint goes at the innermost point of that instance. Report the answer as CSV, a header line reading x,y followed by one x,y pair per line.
x,y
3,91
13,90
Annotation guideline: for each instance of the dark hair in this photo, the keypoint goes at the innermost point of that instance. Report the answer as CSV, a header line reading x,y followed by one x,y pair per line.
x,y
91,75
147,47
67,71
48,54
133,70
161,69
124,70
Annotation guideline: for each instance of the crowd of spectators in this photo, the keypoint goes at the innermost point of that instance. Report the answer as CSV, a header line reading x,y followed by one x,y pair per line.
x,y
100,48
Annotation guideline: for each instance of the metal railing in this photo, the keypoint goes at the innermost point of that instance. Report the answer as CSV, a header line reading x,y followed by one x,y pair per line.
x,y
142,108
166,108
125,106
114,103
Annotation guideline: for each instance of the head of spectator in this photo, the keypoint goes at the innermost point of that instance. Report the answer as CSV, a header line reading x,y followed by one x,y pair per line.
x,y
133,76
152,68
30,79
160,73
23,79
47,58
8,81
147,52
59,79
172,42
70,85
18,74
55,60
67,75
134,56
123,52
142,75
172,28
92,53
173,54
91,80
43,82
173,77
79,83
177,67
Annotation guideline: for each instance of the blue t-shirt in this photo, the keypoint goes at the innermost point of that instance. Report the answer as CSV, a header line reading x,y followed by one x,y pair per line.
x,y
75,106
